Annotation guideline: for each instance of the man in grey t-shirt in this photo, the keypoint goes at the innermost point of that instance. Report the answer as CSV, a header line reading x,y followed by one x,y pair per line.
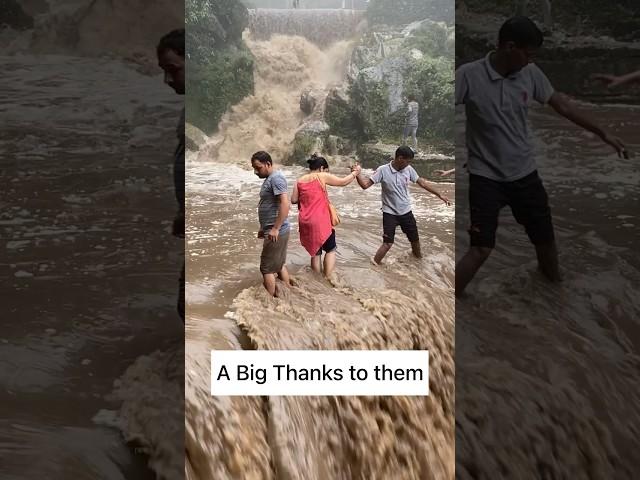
x,y
411,122
273,210
396,202
496,92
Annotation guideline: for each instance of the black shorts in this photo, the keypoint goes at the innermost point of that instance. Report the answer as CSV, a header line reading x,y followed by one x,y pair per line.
x,y
528,201
330,243
407,224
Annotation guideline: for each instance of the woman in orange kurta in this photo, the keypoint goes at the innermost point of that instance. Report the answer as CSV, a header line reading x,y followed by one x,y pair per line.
x,y
314,219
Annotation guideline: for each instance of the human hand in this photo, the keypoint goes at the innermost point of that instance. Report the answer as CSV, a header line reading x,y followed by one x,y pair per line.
x,y
612,80
273,235
617,144
445,200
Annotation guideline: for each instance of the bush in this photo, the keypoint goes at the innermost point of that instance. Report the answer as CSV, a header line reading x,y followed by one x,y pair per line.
x,y
217,84
431,81
219,65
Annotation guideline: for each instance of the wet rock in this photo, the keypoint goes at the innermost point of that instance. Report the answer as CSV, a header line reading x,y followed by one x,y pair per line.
x,y
310,99
310,138
194,137
341,116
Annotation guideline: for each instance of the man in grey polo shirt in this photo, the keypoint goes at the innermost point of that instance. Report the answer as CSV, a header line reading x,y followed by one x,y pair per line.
x,y
394,178
496,92
273,210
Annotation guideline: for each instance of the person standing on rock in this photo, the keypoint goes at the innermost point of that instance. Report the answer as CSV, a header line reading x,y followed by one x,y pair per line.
x,y
496,92
411,122
273,211
170,51
314,220
394,178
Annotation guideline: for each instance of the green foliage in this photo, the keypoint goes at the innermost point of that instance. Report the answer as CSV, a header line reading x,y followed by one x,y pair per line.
x,y
343,121
431,79
219,66
303,147
370,102
398,12
214,85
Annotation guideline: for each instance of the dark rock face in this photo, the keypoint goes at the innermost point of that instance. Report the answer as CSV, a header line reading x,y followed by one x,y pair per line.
x,y
12,15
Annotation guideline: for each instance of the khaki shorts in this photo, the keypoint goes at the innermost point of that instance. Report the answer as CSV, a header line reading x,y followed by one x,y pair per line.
x,y
274,254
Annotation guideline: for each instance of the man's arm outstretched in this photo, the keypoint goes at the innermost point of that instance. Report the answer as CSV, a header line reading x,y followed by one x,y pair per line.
x,y
561,104
425,184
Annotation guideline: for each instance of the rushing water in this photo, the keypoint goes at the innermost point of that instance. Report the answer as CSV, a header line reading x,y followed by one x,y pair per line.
x,y
88,262
320,26
554,369
404,304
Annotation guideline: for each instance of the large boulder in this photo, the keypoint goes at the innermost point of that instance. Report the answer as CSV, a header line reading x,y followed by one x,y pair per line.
x,y
310,138
195,138
341,117
312,102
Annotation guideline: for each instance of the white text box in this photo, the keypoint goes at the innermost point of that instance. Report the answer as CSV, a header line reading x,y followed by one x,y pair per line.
x,y
319,372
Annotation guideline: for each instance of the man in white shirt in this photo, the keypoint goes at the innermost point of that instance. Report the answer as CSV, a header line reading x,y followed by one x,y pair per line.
x,y
496,92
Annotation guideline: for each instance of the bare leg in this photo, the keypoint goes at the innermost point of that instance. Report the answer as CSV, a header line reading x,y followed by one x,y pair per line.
x,y
284,275
329,263
382,251
269,282
415,248
469,265
316,263
547,254
415,138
